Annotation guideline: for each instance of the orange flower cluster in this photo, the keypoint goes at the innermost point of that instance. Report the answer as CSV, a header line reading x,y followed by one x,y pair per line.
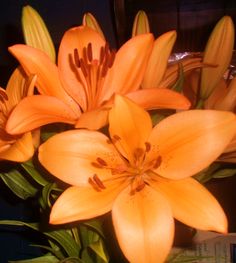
x,y
140,172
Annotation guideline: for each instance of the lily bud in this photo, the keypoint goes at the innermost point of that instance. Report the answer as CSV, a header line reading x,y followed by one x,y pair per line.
x,y
158,59
218,52
141,24
36,33
90,21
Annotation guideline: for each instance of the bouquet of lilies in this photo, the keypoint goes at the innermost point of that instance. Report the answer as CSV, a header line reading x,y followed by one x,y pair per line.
x,y
126,135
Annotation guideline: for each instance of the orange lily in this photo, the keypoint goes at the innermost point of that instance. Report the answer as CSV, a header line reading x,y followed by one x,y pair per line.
x,y
16,148
142,174
80,90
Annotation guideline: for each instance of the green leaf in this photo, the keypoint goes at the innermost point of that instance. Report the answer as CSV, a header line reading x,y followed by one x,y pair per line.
x,y
46,194
46,259
95,224
222,173
72,260
30,169
61,236
18,184
98,248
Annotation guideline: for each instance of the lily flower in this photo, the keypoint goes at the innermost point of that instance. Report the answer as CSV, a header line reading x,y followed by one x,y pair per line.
x,y
141,174
80,90
16,148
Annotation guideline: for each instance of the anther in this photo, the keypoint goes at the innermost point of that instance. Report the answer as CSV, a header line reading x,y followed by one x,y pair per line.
x,y
148,146
140,187
76,58
90,52
98,182
96,165
101,161
102,55
157,162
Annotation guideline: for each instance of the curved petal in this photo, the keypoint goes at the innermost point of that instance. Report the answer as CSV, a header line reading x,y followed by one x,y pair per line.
x,y
81,155
158,60
21,151
35,61
77,38
190,141
192,204
79,203
16,86
159,99
131,131
144,225
128,69
93,120
35,111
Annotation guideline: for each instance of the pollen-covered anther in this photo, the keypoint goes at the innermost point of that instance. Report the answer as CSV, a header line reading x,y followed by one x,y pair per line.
x,y
148,146
96,182
157,162
101,161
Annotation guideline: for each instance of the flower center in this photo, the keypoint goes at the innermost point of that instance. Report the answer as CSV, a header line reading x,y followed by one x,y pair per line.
x,y
92,72
136,173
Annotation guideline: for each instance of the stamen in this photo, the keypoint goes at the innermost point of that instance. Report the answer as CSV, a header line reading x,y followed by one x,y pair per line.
x,y
140,187
96,165
90,52
157,162
148,146
101,161
94,185
138,152
111,58
76,58
102,55
98,182
83,67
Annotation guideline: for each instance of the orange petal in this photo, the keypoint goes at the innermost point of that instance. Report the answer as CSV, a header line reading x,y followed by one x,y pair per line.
x,y
190,141
158,60
79,203
144,225
128,69
35,61
228,102
159,99
77,38
192,204
77,151
93,120
38,110
21,151
221,41
16,86
130,127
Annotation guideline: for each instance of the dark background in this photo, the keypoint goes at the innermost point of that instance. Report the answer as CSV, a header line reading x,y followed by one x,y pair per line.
x,y
193,20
